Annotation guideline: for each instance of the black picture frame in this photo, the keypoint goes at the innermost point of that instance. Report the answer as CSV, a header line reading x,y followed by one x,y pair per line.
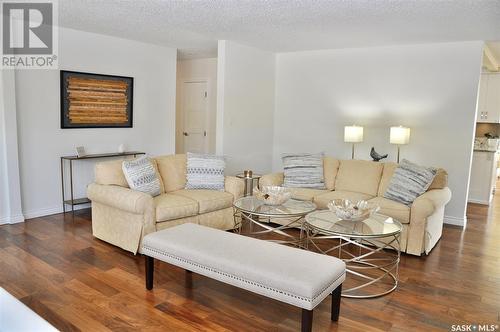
x,y
66,123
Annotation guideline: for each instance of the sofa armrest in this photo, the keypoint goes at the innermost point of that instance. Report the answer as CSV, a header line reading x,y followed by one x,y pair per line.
x,y
428,202
121,198
273,179
426,220
235,186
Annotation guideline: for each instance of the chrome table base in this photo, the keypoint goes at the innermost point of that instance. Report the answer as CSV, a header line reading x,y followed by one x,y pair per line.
x,y
265,227
377,261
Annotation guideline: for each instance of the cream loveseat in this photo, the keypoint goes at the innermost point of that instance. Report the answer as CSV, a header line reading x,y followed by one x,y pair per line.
x,y
366,180
122,216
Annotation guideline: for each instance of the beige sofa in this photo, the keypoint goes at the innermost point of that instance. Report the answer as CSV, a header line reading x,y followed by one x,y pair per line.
x,y
367,180
122,216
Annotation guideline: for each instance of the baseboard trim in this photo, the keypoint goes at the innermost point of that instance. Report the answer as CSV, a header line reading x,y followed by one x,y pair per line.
x,y
457,221
12,219
52,210
477,201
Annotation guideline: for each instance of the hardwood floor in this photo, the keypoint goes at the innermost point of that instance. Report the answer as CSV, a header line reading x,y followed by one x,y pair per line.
x,y
76,282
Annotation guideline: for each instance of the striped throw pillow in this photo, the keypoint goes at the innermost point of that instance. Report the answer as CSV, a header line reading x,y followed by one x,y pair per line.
x,y
409,181
141,175
303,170
205,171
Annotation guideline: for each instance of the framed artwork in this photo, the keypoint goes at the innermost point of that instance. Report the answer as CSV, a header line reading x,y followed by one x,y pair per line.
x,y
96,100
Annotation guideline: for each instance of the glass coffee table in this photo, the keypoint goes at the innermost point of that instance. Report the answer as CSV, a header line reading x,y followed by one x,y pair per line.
x,y
272,220
370,248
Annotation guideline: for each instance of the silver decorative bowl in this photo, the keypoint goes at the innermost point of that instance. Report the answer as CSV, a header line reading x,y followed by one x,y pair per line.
x,y
273,195
355,211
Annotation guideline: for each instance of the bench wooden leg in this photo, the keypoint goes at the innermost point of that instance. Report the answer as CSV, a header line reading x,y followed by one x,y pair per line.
x,y
150,270
336,295
189,279
307,320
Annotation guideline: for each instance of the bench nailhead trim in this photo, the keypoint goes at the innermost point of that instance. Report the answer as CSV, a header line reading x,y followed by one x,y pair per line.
x,y
156,251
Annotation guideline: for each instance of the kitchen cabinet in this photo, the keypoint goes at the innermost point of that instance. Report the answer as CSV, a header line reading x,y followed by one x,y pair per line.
x,y
489,98
483,177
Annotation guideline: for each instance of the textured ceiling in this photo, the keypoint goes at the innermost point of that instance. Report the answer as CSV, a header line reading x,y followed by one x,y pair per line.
x,y
285,25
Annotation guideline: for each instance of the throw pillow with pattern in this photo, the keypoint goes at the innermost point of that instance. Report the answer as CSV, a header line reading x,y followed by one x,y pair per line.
x,y
205,171
409,181
141,175
303,170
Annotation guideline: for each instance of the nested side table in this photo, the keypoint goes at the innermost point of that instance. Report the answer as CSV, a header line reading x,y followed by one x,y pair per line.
x,y
370,248
272,222
250,182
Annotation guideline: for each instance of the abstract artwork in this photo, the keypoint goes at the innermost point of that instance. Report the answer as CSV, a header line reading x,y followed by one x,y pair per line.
x,y
95,100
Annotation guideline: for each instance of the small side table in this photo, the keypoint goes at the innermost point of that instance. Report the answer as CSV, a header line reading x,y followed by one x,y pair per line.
x,y
250,182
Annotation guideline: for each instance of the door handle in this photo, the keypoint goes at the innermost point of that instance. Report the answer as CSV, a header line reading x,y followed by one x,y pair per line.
x,y
185,134
205,133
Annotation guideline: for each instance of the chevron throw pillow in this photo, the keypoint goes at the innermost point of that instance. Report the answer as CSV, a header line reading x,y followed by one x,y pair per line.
x,y
141,175
205,171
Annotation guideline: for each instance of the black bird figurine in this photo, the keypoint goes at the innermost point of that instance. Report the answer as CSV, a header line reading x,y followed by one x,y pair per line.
x,y
375,156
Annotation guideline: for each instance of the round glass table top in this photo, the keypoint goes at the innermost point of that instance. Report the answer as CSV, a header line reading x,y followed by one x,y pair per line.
x,y
290,208
377,225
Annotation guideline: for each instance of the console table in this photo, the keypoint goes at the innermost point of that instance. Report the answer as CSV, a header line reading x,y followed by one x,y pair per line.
x,y
70,159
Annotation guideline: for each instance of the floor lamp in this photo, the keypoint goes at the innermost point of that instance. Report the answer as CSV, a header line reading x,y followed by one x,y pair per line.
x,y
353,134
399,136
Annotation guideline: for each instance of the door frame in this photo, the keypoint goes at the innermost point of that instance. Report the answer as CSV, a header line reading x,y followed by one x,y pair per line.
x,y
205,80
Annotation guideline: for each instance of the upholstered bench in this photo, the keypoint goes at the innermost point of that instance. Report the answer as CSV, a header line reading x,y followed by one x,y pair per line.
x,y
294,276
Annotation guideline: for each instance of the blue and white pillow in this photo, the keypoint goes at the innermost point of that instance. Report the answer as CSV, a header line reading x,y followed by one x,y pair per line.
x,y
141,175
409,181
205,171
303,170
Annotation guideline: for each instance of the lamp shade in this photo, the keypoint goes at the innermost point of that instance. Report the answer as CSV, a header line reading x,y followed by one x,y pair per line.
x,y
400,135
353,134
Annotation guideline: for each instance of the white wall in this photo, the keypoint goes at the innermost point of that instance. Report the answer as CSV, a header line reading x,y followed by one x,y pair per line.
x,y
197,69
430,88
10,191
245,105
4,202
42,142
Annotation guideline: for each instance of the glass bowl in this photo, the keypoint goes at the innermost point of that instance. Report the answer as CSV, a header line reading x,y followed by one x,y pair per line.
x,y
273,195
355,211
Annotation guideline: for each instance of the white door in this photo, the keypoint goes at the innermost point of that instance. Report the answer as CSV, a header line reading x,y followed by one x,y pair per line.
x,y
195,107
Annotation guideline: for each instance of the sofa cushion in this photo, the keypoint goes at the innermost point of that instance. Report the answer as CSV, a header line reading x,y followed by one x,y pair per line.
x,y
142,176
440,180
360,176
172,171
393,209
388,171
208,200
322,200
205,171
330,169
170,207
303,170
110,172
307,194
409,181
